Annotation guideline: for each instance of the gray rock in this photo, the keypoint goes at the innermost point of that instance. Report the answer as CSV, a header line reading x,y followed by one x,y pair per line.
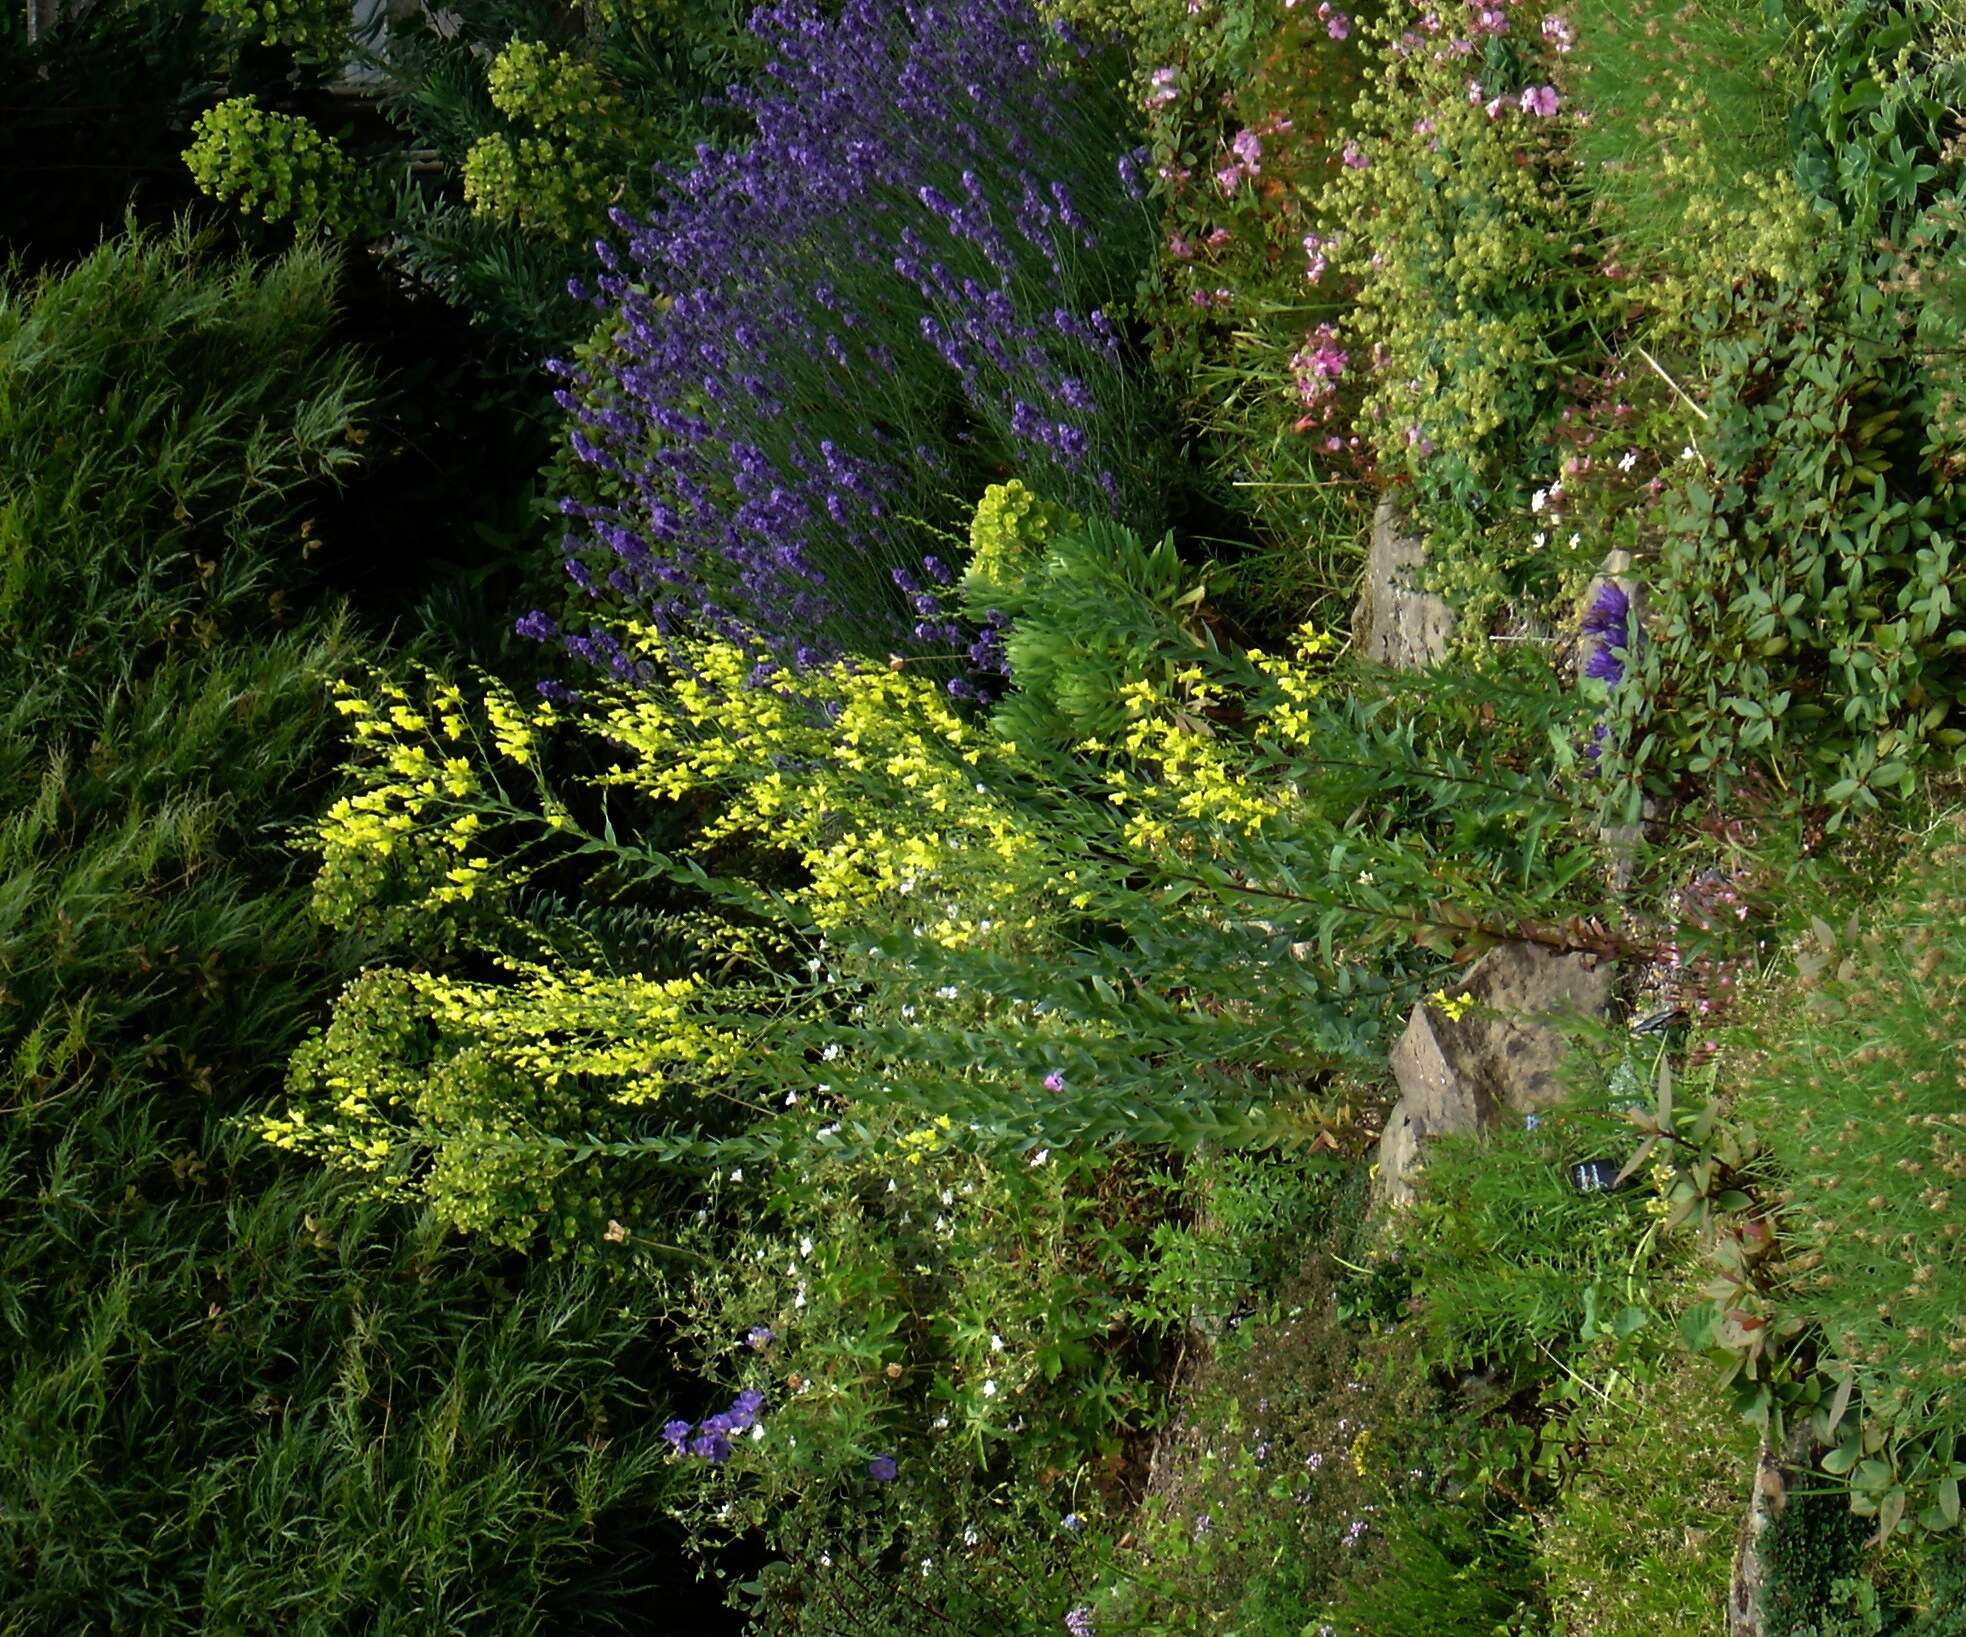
x,y
1395,623
1499,1059
1498,1062
1399,1158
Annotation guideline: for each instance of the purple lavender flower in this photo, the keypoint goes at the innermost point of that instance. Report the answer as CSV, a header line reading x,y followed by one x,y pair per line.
x,y
753,494
882,1469
1055,1080
1079,1621
758,1337
677,1432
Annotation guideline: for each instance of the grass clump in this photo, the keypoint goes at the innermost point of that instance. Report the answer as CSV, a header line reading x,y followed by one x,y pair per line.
x,y
231,1397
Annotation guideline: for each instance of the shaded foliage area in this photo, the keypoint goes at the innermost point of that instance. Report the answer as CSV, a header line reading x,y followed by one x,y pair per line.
x,y
230,1398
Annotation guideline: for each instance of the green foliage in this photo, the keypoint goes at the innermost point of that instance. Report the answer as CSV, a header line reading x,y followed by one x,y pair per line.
x,y
555,180
1443,1579
276,166
230,1393
1007,540
1097,615
1641,1538
1857,1097
1805,614
1469,277
316,26
1687,142
1510,1257
1814,1582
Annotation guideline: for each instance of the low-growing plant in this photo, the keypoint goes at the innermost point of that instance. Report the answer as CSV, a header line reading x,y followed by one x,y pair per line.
x,y
1857,1097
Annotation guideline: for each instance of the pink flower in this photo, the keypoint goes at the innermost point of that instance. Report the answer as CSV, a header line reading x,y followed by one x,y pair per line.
x,y
1490,21
1217,238
1336,23
1229,178
1540,100
1179,248
1476,96
1559,33
1498,106
1314,253
1354,157
1249,149
1164,85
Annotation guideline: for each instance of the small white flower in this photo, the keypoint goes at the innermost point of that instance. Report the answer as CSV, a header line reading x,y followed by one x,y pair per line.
x,y
758,1433
1539,500
1576,540
1628,460
947,992
805,1244
799,1300
990,1388
908,1012
940,1423
828,1130
791,1099
813,965
970,1537
982,790
996,1343
832,1050
927,1564
1689,453
891,1187
1040,1156
737,1173
1367,879
948,1197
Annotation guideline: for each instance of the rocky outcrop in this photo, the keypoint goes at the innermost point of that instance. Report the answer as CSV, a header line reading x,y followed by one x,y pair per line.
x,y
1395,622
1500,1058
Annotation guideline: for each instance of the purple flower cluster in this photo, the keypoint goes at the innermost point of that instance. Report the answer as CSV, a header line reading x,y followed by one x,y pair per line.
x,y
709,1439
1610,635
1607,623
820,336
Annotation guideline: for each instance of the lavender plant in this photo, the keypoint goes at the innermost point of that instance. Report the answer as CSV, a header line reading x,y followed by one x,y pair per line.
x,y
821,339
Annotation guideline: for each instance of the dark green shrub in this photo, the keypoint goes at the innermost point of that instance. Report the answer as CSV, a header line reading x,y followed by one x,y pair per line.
x,y
232,1398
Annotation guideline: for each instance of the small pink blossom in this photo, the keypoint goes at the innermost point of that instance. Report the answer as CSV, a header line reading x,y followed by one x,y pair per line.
x,y
1488,20
1217,238
1498,106
1336,23
1229,178
1248,148
1540,100
1164,85
1179,248
1354,157
1559,33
